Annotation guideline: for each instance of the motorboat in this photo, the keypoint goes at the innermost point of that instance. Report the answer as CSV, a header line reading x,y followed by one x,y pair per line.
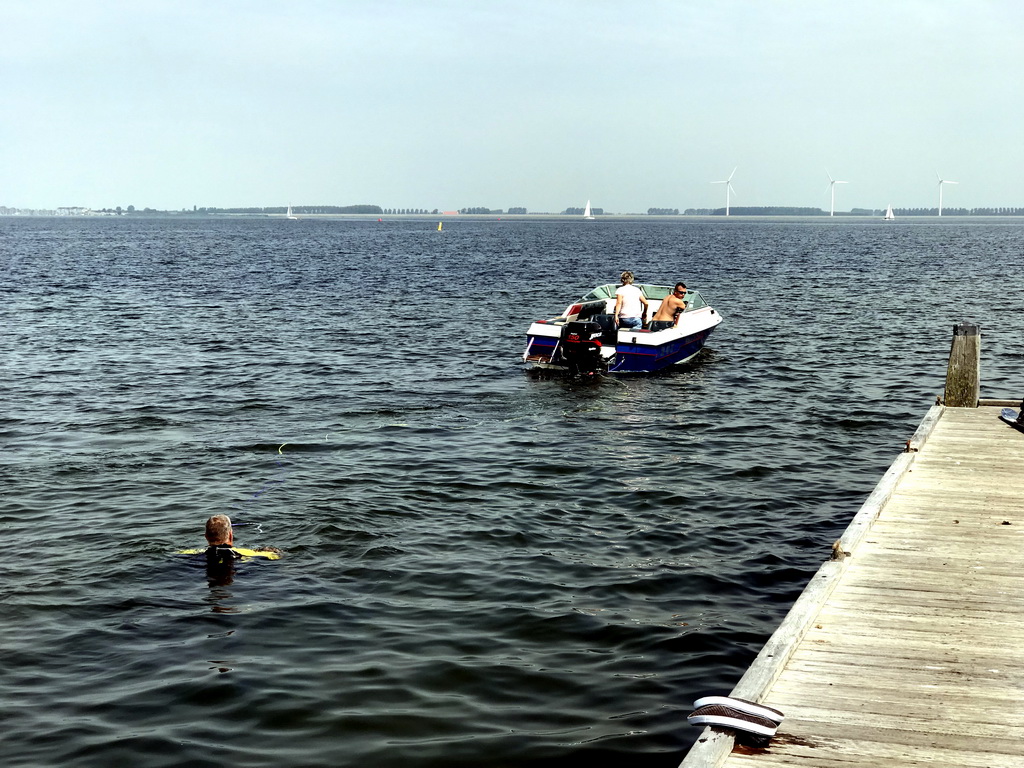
x,y
584,339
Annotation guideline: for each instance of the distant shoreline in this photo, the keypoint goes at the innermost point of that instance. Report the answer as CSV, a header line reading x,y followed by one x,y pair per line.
x,y
519,217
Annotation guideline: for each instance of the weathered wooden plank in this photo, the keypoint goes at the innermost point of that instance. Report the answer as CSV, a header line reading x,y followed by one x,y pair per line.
x,y
926,596
921,727
985,554
934,599
940,680
925,428
853,695
985,510
945,612
979,590
937,487
1002,403
917,680
871,569
1000,478
913,639
917,666
905,740
1007,627
964,488
835,751
983,654
970,548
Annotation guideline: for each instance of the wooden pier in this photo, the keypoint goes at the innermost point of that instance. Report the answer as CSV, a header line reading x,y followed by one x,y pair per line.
x,y
907,647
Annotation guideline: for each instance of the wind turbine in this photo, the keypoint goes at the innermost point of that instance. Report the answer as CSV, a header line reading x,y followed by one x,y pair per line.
x,y
832,187
728,188
941,182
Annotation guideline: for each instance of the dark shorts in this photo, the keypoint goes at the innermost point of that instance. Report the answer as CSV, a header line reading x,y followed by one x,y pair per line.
x,y
660,325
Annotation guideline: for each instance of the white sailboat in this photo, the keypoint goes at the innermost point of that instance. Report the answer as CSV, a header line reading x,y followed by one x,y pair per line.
x,y
290,215
889,215
586,212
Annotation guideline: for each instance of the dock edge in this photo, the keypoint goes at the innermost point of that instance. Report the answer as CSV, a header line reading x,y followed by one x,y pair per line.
x,y
713,746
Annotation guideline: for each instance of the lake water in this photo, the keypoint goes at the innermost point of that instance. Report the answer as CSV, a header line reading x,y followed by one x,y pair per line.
x,y
482,567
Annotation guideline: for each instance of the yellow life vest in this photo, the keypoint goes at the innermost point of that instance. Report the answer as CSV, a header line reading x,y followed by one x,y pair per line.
x,y
245,553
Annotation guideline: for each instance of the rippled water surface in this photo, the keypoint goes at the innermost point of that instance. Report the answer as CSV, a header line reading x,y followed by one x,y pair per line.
x,y
482,567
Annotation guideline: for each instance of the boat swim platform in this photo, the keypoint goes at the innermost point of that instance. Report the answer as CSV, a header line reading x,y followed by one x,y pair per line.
x,y
907,647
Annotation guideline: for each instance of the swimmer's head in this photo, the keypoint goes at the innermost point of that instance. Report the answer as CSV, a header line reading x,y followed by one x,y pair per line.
x,y
218,530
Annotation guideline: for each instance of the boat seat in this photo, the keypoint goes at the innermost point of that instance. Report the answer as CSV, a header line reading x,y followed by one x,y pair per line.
x,y
609,333
591,308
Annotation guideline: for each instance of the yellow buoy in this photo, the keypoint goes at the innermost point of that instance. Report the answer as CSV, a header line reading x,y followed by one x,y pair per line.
x,y
439,225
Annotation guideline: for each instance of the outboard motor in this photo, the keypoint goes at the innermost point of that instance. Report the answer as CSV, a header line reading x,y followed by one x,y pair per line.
x,y
580,348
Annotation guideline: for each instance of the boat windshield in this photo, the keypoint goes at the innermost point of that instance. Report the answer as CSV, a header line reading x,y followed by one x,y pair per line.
x,y
651,292
601,292
694,301
655,292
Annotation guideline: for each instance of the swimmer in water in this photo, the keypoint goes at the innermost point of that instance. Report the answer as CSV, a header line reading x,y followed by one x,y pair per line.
x,y
222,554
221,538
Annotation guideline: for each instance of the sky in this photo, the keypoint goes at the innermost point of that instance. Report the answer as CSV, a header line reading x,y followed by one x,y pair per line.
x,y
543,104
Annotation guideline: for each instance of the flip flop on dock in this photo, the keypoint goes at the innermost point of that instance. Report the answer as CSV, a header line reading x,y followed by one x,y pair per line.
x,y
1013,418
727,717
742,705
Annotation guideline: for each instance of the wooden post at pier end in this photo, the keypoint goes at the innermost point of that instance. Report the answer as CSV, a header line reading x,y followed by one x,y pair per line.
x,y
963,377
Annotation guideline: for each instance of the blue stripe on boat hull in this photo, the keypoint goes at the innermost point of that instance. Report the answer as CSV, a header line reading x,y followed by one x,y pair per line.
x,y
541,345
637,358
641,358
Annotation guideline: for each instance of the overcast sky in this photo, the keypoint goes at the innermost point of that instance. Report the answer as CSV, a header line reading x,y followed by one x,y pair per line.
x,y
542,104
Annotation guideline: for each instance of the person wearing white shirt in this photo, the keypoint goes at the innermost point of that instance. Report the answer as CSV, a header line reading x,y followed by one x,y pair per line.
x,y
630,304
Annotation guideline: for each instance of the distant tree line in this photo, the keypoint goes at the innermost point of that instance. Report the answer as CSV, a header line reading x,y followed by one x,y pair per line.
x,y
514,211
296,209
580,211
662,211
757,210
959,211
929,211
788,211
994,211
119,210
408,211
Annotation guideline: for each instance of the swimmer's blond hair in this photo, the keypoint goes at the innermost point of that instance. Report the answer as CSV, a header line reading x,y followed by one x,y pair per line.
x,y
218,529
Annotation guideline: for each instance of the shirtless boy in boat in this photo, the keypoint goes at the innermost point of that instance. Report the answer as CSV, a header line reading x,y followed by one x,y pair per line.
x,y
671,307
